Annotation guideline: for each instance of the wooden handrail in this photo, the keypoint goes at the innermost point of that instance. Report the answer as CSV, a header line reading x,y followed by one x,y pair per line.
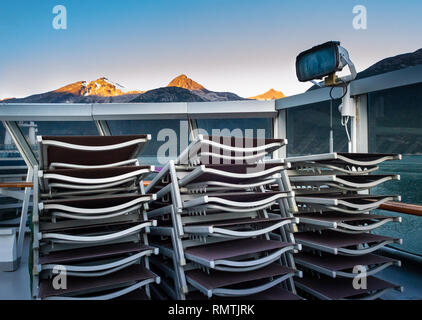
x,y
16,184
30,184
400,207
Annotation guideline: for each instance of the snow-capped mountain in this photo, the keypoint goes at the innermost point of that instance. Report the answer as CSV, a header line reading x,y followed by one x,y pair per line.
x,y
102,90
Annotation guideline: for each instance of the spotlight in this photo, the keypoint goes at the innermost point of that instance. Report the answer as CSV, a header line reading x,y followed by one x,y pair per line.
x,y
324,61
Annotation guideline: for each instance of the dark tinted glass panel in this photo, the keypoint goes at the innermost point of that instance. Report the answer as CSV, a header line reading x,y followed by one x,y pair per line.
x,y
395,126
2,136
410,189
7,146
67,128
395,120
256,127
308,129
161,132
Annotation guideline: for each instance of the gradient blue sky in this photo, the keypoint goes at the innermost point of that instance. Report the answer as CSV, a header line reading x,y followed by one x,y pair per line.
x,y
242,46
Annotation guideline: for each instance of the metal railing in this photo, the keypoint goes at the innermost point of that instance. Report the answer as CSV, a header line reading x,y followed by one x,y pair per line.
x,y
11,113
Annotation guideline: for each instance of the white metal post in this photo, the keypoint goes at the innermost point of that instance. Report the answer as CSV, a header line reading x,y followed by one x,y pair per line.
x,y
280,132
24,213
103,128
362,142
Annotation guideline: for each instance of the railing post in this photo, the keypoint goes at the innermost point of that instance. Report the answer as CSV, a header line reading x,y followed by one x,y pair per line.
x,y
280,132
31,177
362,137
103,128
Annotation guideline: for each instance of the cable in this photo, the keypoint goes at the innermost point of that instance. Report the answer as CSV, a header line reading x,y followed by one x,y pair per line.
x,y
344,124
344,85
331,139
344,120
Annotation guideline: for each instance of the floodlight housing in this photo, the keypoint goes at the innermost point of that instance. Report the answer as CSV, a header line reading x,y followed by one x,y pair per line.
x,y
324,61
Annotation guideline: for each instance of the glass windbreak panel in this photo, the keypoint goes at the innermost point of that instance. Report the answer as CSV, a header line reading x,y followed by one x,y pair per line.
x,y
395,120
5,139
57,128
260,128
249,127
410,188
2,137
168,137
308,129
7,146
395,126
66,128
31,129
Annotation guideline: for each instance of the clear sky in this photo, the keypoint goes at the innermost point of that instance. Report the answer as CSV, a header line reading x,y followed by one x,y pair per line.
x,y
242,46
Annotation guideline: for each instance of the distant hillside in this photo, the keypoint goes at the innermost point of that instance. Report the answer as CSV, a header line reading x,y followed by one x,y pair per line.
x,y
180,89
168,94
183,81
398,62
102,90
269,95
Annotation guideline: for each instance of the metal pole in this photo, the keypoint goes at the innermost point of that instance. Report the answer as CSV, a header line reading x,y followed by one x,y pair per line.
x,y
24,214
331,142
103,128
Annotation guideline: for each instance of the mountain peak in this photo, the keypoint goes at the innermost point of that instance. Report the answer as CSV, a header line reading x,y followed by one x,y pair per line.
x,y
269,95
184,82
102,87
75,88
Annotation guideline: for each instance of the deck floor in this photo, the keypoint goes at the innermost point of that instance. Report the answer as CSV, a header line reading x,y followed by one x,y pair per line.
x,y
15,285
409,276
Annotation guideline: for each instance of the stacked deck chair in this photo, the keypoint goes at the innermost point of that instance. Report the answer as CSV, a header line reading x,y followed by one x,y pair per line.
x,y
336,224
91,221
216,232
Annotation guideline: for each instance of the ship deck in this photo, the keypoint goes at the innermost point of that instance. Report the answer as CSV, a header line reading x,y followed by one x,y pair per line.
x,y
16,285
